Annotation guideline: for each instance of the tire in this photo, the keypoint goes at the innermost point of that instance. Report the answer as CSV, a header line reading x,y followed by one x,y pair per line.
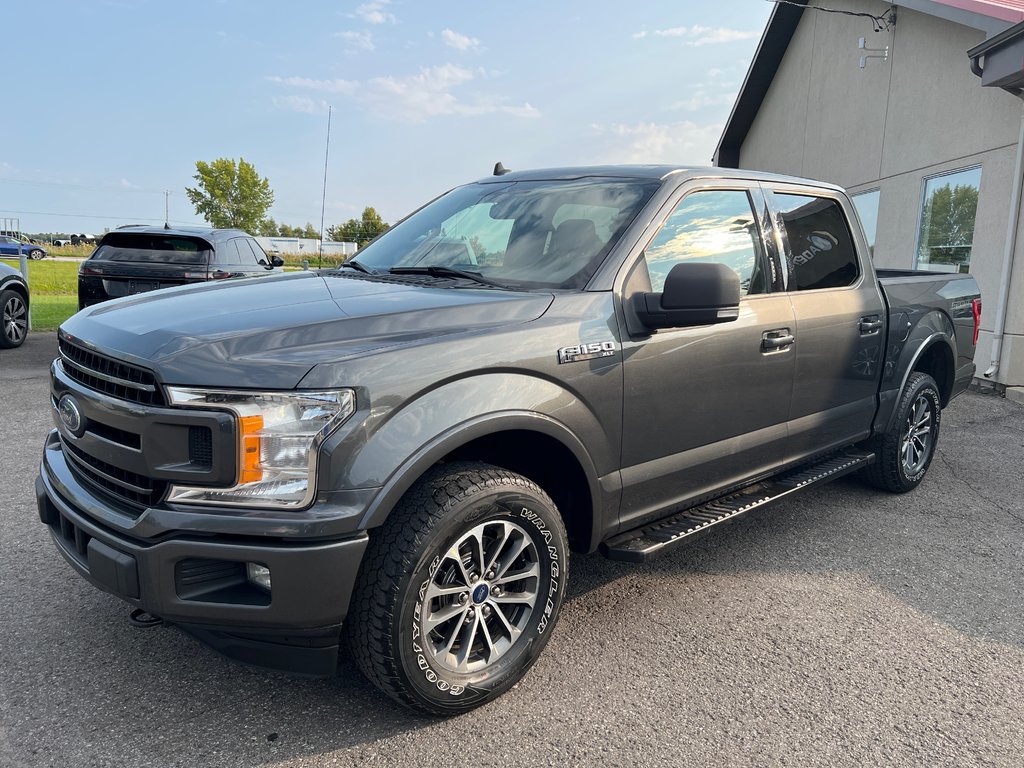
x,y
35,254
13,319
904,453
413,600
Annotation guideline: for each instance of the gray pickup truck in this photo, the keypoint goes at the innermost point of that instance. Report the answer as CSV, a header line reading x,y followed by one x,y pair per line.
x,y
397,457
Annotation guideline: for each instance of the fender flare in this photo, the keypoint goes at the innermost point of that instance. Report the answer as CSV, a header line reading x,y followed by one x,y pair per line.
x,y
410,470
929,342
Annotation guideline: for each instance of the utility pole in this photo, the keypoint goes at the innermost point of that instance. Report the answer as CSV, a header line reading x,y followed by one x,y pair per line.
x,y
323,200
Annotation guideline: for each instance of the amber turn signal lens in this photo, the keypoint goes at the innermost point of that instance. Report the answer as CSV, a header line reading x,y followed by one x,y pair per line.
x,y
250,435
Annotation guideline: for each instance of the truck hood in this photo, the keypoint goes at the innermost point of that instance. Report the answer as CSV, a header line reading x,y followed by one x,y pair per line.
x,y
268,332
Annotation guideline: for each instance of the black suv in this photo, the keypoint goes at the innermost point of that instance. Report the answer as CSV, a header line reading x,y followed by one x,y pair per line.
x,y
136,259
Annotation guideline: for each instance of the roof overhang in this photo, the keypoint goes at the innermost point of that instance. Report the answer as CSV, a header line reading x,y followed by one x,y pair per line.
x,y
999,61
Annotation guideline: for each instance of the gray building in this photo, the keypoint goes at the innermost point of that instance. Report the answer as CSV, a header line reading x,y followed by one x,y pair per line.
x,y
923,121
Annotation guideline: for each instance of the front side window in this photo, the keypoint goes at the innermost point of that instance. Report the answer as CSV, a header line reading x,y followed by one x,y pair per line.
x,y
948,210
543,234
821,250
710,226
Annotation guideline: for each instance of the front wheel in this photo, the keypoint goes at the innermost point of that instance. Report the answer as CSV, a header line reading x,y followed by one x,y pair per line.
x,y
904,453
13,319
35,254
460,589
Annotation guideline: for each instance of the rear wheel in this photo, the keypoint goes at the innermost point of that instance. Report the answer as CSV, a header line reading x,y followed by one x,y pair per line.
x,y
904,453
13,319
460,589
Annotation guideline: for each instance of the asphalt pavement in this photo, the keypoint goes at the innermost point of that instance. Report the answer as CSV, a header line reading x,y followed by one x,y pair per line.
x,y
843,627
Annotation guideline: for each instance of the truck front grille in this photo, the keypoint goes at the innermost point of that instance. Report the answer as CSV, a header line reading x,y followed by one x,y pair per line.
x,y
111,377
138,491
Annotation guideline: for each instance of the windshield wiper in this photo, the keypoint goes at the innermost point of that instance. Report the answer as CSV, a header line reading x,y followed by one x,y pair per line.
x,y
353,264
439,271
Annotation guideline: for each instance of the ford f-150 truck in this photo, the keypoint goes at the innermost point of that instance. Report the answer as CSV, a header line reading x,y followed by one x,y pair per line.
x,y
394,459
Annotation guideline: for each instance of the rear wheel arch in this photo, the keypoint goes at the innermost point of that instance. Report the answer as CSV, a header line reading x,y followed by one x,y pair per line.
x,y
938,361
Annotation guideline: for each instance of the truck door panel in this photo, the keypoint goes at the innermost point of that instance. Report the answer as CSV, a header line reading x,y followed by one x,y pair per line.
x,y
840,325
706,406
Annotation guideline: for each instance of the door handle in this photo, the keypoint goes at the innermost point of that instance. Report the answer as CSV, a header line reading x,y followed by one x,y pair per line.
x,y
869,325
777,339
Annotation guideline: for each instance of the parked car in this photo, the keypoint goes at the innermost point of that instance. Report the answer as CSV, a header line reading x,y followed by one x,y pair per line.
x,y
401,453
14,306
9,246
137,259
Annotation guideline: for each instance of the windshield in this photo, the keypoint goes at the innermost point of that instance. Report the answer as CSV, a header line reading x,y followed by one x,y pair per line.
x,y
144,247
551,234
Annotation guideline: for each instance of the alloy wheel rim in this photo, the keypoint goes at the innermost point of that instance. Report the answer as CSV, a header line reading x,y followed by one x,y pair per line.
x,y
916,443
15,319
481,596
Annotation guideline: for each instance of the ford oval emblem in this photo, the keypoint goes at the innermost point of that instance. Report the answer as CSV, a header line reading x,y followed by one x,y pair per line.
x,y
70,414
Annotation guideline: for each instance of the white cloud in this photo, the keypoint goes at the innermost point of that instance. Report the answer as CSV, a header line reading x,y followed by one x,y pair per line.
x,y
412,98
459,41
327,86
357,41
303,104
681,143
375,12
701,98
698,35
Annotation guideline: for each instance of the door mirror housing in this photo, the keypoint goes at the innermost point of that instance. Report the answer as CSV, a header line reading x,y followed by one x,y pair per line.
x,y
695,293
277,261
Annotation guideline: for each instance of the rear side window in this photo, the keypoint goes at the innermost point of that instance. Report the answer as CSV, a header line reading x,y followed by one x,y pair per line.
x,y
152,248
821,251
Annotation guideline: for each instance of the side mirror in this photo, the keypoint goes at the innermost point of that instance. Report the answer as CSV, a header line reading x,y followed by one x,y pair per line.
x,y
277,261
695,293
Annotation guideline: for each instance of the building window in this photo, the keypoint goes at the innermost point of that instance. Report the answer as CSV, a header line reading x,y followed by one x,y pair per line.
x,y
867,209
948,211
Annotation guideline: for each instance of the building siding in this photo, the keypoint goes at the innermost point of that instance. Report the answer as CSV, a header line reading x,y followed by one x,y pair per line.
x,y
892,125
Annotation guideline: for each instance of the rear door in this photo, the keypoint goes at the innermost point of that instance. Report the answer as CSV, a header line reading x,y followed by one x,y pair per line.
x,y
840,319
705,407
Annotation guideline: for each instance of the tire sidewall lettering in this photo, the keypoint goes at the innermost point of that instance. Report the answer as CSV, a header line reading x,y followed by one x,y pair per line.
x,y
545,613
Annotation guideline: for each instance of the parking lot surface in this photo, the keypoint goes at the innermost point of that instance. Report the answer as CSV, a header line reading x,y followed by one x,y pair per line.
x,y
842,627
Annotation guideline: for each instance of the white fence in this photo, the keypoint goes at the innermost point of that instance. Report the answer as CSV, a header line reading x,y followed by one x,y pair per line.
x,y
304,246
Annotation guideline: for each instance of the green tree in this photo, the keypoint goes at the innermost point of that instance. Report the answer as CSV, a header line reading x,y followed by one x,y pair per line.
x,y
231,195
359,231
268,228
310,231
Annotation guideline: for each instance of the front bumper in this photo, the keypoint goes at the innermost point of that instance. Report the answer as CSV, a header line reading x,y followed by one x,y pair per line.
x,y
195,578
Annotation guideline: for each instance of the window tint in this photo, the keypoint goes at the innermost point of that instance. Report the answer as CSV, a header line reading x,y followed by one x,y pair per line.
x,y
145,247
713,226
946,234
237,251
821,251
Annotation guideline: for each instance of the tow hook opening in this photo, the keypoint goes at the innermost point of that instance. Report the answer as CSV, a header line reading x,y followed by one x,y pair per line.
x,y
144,619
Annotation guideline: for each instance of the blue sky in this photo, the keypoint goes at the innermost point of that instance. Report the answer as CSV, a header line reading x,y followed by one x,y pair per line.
x,y
110,102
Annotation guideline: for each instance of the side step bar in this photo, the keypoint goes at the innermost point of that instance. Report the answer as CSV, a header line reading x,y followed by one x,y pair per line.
x,y
642,544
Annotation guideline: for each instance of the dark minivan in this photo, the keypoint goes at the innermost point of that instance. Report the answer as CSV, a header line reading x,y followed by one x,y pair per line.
x,y
137,259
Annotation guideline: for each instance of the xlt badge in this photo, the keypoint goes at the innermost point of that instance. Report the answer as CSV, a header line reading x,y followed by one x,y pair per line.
x,y
580,352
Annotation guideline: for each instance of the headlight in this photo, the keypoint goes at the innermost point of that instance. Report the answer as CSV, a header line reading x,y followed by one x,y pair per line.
x,y
279,434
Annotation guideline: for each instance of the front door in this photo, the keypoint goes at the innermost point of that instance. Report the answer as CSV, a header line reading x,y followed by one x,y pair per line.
x,y
706,407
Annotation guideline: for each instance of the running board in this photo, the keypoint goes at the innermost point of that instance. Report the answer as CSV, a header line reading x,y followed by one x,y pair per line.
x,y
642,544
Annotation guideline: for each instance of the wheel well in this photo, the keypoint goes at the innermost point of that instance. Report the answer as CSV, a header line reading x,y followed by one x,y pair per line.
x,y
937,362
19,289
548,463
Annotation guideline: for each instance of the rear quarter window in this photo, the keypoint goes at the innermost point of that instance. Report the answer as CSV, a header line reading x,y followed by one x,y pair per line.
x,y
821,250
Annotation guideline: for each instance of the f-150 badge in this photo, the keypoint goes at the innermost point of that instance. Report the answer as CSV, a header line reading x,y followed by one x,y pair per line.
x,y
580,352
